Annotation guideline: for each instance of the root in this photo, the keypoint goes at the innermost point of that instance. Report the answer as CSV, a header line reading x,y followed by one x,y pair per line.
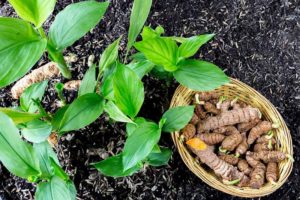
x,y
72,85
40,74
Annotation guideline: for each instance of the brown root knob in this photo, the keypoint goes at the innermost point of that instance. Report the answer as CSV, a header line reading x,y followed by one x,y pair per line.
x,y
244,127
210,108
40,74
232,141
231,117
261,147
243,146
271,156
72,85
195,119
252,160
258,176
272,172
244,167
211,138
189,131
258,130
200,111
231,159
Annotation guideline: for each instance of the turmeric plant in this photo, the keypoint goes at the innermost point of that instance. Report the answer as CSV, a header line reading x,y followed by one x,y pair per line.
x,y
110,86
26,39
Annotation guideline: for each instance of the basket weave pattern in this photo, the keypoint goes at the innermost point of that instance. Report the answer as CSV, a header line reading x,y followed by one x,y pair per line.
x,y
183,96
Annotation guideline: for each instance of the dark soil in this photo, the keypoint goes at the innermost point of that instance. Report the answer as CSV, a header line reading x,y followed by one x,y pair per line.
x,y
257,42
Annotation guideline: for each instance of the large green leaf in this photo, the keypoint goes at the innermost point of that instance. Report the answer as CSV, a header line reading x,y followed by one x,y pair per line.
x,y
44,153
160,51
110,55
159,158
139,15
59,114
130,127
36,131
176,118
200,75
115,113
15,154
19,117
141,68
128,91
34,11
82,112
113,167
74,22
149,33
35,91
55,189
140,144
89,82
191,45
107,88
20,48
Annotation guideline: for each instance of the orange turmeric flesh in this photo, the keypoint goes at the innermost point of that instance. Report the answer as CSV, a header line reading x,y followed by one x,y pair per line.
x,y
220,167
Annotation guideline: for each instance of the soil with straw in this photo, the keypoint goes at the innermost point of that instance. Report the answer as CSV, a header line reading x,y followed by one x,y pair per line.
x,y
257,42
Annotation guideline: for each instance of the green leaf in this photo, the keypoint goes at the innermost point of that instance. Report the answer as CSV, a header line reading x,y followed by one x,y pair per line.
x,y
113,167
159,72
110,55
19,117
18,40
58,117
57,56
139,15
159,159
55,189
58,171
115,113
74,22
141,68
107,88
156,149
36,131
34,11
15,154
200,75
140,144
131,127
89,82
191,45
82,112
128,91
35,91
44,153
177,118
160,51
149,33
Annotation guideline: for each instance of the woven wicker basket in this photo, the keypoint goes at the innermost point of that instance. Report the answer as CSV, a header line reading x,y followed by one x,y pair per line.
x,y
183,96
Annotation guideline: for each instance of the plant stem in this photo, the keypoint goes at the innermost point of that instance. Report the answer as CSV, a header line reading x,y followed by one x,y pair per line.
x,y
42,110
42,32
59,89
58,57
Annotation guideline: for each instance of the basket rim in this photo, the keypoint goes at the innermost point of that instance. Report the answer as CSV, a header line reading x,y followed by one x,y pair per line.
x,y
210,179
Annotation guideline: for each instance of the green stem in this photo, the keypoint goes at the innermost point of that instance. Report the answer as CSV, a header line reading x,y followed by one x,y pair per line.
x,y
42,110
59,87
42,32
57,57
